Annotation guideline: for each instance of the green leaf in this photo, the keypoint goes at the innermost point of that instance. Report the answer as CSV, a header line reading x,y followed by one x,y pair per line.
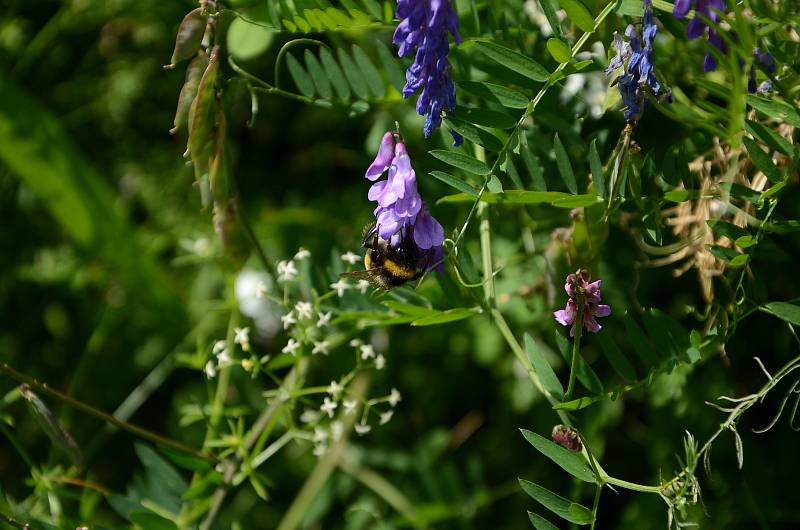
x,y
584,373
641,345
539,522
580,403
618,361
559,49
572,462
741,192
775,109
724,253
726,229
785,311
189,37
496,94
550,9
443,317
556,198
597,169
391,66
564,166
769,137
513,60
318,75
487,118
353,74
300,77
475,134
762,161
579,14
409,309
334,73
564,508
494,185
462,161
455,182
246,40
371,75
542,368
576,201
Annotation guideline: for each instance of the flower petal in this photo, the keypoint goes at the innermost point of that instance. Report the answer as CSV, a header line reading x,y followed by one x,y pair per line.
x,y
383,159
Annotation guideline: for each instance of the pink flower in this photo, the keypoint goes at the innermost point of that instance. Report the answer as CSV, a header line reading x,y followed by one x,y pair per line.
x,y
585,293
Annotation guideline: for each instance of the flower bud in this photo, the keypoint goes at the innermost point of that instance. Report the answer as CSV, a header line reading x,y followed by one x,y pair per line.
x,y
567,437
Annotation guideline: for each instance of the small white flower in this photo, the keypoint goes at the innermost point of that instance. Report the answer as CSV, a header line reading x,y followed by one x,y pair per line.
x,y
211,370
247,364
350,406
334,389
302,254
340,287
328,406
309,416
320,347
363,285
288,320
323,319
362,429
320,435
223,358
337,430
367,351
261,289
303,310
380,362
320,449
355,343
291,347
394,397
286,271
219,346
351,258
242,337
386,416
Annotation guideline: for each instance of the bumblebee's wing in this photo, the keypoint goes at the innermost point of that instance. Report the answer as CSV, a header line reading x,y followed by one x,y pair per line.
x,y
367,274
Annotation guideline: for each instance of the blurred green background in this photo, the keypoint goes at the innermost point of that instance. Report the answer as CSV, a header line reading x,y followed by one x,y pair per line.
x,y
104,276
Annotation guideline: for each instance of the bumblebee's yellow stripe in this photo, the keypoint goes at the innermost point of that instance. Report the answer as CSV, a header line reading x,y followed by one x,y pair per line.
x,y
398,270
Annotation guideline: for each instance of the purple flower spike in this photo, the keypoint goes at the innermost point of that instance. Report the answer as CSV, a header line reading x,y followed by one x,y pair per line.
x,y
636,58
423,26
401,217
586,294
697,26
383,158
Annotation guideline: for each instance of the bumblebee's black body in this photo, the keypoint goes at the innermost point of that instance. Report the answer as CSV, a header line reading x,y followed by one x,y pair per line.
x,y
389,266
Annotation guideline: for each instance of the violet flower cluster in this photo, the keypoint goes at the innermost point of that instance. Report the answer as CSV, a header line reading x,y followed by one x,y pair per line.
x,y
401,212
636,58
697,26
586,295
424,25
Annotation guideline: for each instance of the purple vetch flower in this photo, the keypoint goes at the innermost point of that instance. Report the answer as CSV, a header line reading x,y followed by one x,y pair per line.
x,y
401,214
697,26
767,62
635,57
424,25
582,294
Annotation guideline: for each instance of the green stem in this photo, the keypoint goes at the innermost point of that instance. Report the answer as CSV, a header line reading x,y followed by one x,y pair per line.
x,y
630,485
131,428
598,490
576,350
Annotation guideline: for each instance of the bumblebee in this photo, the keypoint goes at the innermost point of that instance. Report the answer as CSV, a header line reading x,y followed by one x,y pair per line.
x,y
389,266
